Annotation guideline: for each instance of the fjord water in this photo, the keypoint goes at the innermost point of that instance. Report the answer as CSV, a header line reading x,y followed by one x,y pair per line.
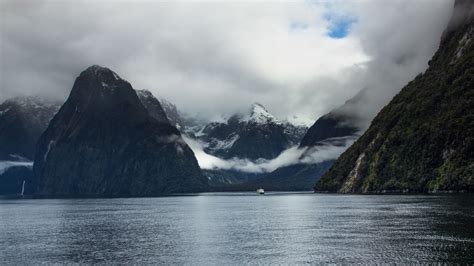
x,y
239,228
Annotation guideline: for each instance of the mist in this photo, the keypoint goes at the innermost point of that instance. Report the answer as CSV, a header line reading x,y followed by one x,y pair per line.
x,y
329,150
4,165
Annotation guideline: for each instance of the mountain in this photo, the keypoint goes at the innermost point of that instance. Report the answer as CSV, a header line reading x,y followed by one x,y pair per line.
x,y
423,140
104,142
334,129
167,112
255,135
173,115
187,124
22,121
335,124
152,105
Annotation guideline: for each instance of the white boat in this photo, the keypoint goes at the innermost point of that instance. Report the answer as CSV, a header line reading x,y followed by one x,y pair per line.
x,y
260,191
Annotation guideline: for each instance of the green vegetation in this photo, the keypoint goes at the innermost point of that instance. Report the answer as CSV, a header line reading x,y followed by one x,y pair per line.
x,y
423,140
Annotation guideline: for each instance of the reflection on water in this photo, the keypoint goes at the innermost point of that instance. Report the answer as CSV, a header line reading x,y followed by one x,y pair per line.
x,y
239,228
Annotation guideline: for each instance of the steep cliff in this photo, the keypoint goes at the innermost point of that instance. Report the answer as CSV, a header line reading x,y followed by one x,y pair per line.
x,y
153,105
104,142
423,140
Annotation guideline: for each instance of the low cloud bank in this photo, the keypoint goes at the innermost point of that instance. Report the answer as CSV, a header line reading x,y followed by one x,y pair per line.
x,y
4,165
327,150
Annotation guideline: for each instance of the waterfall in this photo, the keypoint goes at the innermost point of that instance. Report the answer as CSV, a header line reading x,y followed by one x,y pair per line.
x,y
23,188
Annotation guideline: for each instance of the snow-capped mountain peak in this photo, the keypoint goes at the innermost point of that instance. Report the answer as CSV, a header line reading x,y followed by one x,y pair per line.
x,y
259,115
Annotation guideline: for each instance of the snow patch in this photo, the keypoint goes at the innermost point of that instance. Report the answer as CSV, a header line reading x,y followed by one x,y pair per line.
x,y
198,132
224,144
259,115
298,121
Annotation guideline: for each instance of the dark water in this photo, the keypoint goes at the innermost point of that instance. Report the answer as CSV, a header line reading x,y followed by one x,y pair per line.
x,y
239,228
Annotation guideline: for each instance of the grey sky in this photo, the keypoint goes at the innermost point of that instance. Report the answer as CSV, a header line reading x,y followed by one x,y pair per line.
x,y
217,57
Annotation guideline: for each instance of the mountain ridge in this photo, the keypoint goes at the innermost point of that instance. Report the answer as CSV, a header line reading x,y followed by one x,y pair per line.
x,y
422,140
103,141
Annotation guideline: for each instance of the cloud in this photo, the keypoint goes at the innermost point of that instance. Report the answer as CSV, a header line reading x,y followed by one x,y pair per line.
x,y
220,56
329,150
400,37
4,165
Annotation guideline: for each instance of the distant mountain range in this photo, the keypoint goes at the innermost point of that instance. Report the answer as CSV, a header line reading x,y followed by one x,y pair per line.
x,y
335,129
253,135
257,135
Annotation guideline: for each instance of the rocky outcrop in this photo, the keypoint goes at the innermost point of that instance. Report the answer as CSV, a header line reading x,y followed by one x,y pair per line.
x,y
104,142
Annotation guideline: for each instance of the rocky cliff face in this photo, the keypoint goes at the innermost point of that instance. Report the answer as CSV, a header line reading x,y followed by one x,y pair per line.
x,y
423,139
173,115
22,121
104,142
153,105
187,124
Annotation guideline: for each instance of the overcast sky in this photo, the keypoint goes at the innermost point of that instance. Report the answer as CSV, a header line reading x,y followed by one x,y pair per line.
x,y
298,58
